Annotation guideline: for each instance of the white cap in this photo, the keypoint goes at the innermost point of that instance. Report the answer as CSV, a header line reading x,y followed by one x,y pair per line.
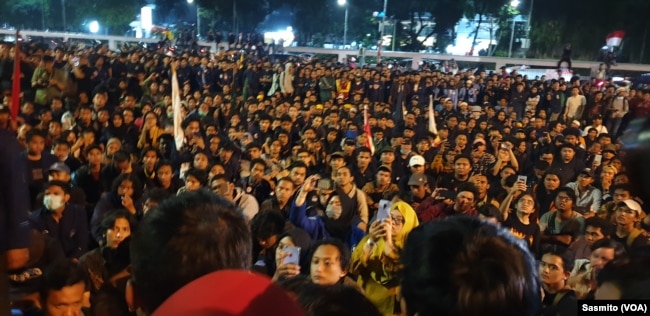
x,y
416,160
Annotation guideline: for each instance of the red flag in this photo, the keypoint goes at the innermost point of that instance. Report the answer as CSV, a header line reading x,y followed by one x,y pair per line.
x,y
615,38
366,129
15,88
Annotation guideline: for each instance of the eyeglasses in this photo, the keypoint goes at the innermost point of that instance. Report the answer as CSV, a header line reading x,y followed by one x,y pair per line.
x,y
563,198
398,220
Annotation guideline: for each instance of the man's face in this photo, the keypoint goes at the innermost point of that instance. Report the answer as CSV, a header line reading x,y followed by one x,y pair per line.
x,y
388,157
621,195
65,302
36,145
343,177
298,175
61,151
462,167
626,216
593,234
563,202
284,190
257,172
551,269
418,191
481,183
464,201
585,180
567,154
363,159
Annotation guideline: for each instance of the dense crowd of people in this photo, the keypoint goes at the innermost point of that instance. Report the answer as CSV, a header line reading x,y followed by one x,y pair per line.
x,y
355,191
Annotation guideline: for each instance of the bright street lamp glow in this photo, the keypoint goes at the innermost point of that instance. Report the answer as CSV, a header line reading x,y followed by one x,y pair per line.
x,y
342,2
93,27
514,3
190,1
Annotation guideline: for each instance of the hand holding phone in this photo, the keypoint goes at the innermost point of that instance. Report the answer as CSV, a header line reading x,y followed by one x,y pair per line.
x,y
293,255
325,184
384,210
598,159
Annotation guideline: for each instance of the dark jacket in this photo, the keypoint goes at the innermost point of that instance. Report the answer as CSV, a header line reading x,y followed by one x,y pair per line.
x,y
71,231
14,197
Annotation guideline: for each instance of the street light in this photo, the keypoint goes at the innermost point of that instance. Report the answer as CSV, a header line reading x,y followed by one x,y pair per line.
x,y
513,4
198,18
345,24
93,27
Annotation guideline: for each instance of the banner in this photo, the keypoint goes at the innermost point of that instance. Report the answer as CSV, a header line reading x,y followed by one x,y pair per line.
x,y
366,127
615,38
432,117
179,135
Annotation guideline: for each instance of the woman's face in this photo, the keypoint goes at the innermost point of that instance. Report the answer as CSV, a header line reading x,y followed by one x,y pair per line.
x,y
325,266
201,162
117,121
125,188
397,221
551,182
280,254
192,183
526,204
116,234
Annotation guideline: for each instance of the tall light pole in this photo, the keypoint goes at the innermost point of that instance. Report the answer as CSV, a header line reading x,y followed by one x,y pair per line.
x,y
63,14
513,4
198,18
345,23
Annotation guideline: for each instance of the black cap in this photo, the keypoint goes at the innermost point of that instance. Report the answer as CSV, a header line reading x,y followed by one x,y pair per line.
x,y
337,154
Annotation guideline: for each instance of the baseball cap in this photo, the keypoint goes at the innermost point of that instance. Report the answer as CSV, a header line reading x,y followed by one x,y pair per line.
x,y
479,140
632,204
238,293
385,168
588,172
418,179
59,166
609,147
416,160
337,154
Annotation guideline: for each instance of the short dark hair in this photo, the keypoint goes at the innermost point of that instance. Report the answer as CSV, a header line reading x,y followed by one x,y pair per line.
x,y
567,260
60,274
468,187
605,226
619,249
258,161
156,194
199,175
338,299
108,222
463,257
344,251
65,186
121,156
267,224
569,192
184,238
34,132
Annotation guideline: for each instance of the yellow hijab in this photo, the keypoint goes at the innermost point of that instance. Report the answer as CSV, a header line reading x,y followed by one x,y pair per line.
x,y
410,222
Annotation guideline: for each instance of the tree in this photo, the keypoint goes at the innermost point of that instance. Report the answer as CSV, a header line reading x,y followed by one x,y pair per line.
x,y
428,18
114,15
483,9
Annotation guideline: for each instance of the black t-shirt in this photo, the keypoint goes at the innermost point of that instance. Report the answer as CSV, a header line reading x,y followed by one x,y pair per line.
x,y
529,233
567,305
36,178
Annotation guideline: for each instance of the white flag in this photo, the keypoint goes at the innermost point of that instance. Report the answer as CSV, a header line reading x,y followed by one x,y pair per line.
x,y
179,135
432,117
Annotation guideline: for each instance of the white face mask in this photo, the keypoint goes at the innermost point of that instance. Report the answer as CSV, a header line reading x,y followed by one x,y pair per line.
x,y
333,212
53,202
